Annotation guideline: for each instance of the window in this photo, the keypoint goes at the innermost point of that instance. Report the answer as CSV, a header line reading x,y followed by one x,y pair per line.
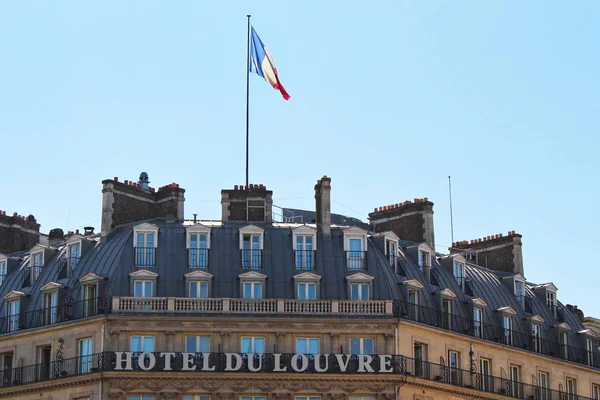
x,y
362,398
197,344
361,346
252,290
307,291
141,397
86,349
308,398
477,322
571,389
6,363
196,397
413,305
447,313
37,262
307,345
253,345
564,345
519,292
420,355
73,255
198,251
589,351
141,344
2,271
508,330
459,272
544,385
551,301
454,364
536,337
13,315
392,252
144,249
596,392
304,252
51,307
359,291
142,288
89,297
515,381
251,257
423,259
198,289
252,398
485,369
355,255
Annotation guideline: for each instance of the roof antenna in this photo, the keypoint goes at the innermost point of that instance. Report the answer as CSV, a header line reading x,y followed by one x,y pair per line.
x,y
451,221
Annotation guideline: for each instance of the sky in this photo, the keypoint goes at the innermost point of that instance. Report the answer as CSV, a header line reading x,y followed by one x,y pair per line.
x,y
388,98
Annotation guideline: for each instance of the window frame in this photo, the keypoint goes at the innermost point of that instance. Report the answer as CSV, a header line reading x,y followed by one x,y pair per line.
x,y
361,345
13,312
198,343
454,369
253,344
51,306
458,266
520,297
544,385
359,279
478,322
142,342
308,340
307,278
571,392
3,269
508,330
199,290
515,383
595,393
85,361
143,286
487,376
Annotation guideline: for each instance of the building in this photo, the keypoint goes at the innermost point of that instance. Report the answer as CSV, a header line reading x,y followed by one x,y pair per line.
x,y
158,307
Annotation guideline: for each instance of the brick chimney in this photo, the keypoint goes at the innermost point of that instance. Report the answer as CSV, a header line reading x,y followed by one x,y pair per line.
x,y
258,199
18,233
497,252
409,220
323,204
124,202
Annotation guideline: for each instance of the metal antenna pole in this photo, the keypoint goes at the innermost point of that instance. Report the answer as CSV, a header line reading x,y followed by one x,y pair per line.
x,y
451,220
247,109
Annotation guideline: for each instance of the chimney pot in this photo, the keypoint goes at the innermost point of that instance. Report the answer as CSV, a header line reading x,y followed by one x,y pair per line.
x,y
116,179
89,230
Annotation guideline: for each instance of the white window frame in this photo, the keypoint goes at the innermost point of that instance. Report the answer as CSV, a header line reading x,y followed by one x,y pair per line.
x,y
199,289
424,258
563,339
252,292
360,279
195,261
140,397
454,368
307,397
252,344
304,263
143,286
362,397
508,328
447,305
85,358
304,290
458,270
142,337
3,269
543,381
252,277
571,390
361,344
308,340
589,351
143,275
13,312
536,336
421,364
392,258
515,381
198,343
74,242
551,299
478,322
352,261
486,373
51,305
198,275
307,278
521,297
595,391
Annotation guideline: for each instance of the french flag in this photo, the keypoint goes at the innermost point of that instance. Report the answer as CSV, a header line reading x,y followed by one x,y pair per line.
x,y
262,63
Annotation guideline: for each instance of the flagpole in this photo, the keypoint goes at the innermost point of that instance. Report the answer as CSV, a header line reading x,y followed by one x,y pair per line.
x,y
247,108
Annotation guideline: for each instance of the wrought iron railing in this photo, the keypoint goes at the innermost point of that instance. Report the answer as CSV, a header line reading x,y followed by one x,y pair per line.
x,y
495,333
356,259
145,257
66,266
305,259
198,258
68,311
322,364
251,258
30,274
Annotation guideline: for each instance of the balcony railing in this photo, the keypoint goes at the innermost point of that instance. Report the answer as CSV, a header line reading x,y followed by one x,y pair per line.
x,y
198,258
30,275
398,364
252,306
251,258
54,315
356,259
145,257
495,333
66,266
305,259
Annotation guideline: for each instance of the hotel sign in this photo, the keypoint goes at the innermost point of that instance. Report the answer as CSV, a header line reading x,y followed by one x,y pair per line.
x,y
272,363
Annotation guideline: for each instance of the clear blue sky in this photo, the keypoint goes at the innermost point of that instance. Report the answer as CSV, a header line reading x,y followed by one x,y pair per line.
x,y
388,98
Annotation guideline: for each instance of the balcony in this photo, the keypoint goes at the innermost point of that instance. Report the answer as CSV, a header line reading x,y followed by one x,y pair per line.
x,y
356,260
305,259
251,258
54,315
198,258
145,257
253,306
495,333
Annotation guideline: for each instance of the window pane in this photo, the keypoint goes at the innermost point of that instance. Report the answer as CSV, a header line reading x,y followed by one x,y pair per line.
x,y
136,344
203,290
354,346
364,292
148,344
313,346
147,289
302,291
257,287
312,291
247,290
355,245
193,289
204,344
368,346
190,344
259,346
246,345
301,346
354,292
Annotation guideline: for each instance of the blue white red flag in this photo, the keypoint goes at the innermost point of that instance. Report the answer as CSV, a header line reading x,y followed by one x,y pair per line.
x,y
262,63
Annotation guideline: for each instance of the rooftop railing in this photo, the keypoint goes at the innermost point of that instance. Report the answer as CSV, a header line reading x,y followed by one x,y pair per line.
x,y
495,333
413,369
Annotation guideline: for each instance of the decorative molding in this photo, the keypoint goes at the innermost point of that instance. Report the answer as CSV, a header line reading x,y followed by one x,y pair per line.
x,y
169,333
115,333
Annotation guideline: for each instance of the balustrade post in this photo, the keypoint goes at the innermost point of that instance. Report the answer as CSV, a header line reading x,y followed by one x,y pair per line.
x,y
226,303
280,306
335,306
170,303
389,307
115,303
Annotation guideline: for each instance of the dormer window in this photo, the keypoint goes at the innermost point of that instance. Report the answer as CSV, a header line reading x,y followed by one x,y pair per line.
x,y
3,270
355,246
478,306
360,286
251,244
307,286
36,265
520,292
143,283
424,259
508,313
252,285
563,337
304,244
391,249
73,255
551,301
13,310
411,289
145,240
198,284
51,307
198,246
536,333
459,272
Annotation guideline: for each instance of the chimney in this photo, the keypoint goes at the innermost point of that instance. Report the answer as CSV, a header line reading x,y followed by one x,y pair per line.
x,y
18,233
409,220
144,182
89,230
497,252
257,199
125,202
323,204
55,236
